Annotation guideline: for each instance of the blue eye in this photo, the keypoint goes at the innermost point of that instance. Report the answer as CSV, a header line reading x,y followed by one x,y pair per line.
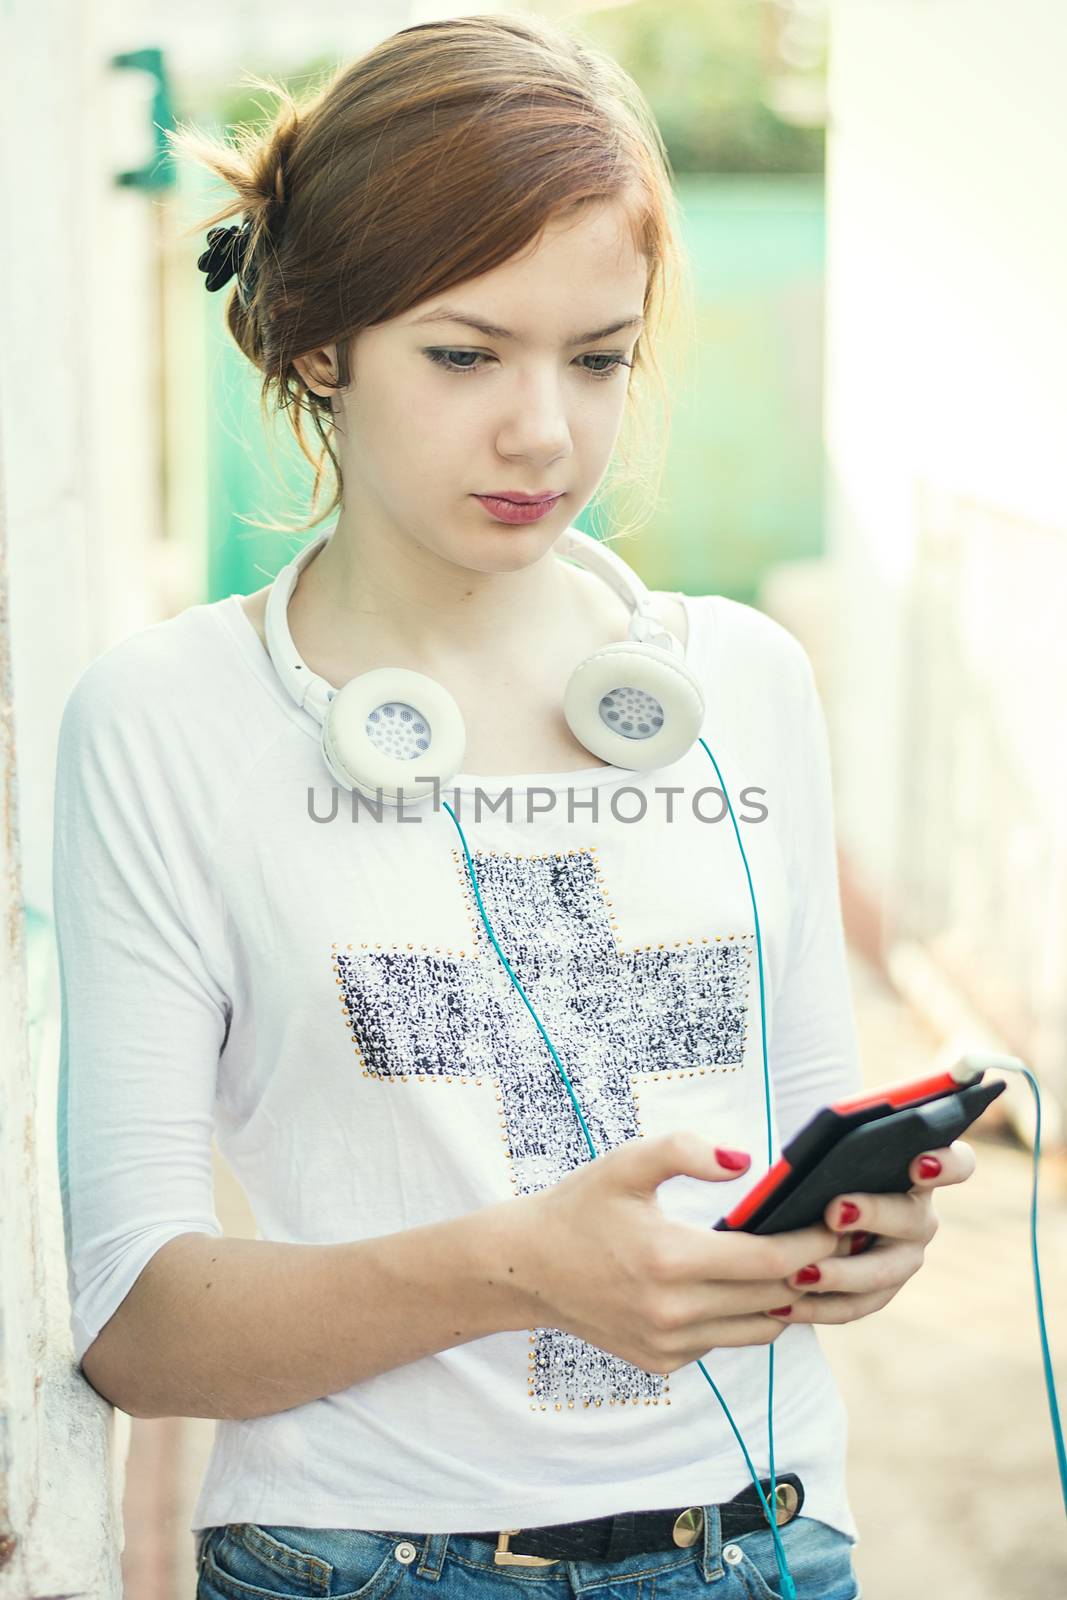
x,y
442,358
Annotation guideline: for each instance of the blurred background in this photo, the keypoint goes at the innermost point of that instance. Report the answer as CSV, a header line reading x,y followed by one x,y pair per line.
x,y
869,445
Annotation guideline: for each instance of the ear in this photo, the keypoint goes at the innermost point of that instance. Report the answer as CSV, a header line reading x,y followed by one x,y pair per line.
x,y
318,368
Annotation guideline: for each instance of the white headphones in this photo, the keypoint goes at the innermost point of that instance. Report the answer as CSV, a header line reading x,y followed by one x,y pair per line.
x,y
394,734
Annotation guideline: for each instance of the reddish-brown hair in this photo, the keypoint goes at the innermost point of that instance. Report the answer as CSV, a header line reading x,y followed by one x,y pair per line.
x,y
437,155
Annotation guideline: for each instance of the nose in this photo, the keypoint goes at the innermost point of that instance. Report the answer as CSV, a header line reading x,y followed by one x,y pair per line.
x,y
535,425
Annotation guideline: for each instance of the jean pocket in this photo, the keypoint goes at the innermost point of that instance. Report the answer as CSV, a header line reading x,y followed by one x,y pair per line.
x,y
249,1561
818,1556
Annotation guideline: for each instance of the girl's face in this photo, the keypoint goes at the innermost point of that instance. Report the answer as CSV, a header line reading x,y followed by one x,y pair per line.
x,y
439,412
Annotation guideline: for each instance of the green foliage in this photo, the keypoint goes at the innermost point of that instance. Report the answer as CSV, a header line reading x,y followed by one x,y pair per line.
x,y
232,103
709,70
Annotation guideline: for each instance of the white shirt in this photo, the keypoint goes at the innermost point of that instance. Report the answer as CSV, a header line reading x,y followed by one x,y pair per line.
x,y
323,997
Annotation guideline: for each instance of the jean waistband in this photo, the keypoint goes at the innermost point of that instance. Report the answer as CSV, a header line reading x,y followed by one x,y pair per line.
x,y
627,1533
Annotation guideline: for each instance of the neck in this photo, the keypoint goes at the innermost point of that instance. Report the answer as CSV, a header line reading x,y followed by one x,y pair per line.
x,y
403,594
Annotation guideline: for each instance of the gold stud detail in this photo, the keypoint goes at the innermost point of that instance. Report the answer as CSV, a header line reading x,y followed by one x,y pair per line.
x,y
688,1527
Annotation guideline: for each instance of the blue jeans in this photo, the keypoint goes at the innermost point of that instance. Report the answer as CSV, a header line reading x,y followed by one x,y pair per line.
x,y
248,1561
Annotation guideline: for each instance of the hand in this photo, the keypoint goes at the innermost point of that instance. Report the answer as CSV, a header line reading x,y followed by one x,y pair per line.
x,y
595,1256
899,1227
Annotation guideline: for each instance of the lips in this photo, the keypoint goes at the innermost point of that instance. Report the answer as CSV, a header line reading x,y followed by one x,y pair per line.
x,y
519,498
503,509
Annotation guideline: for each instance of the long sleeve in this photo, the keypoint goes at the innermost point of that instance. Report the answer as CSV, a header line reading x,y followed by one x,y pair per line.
x,y
813,1052
143,1019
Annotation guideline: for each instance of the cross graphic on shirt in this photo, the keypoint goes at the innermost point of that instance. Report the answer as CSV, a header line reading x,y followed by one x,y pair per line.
x,y
611,1014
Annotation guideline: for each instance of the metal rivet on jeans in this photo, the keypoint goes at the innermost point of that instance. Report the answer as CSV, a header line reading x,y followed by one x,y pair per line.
x,y
405,1551
732,1553
786,1502
688,1527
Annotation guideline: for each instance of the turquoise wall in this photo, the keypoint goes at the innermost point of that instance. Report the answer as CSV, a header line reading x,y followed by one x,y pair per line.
x,y
743,480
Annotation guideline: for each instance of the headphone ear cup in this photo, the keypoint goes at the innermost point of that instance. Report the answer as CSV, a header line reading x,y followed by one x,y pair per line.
x,y
634,705
393,731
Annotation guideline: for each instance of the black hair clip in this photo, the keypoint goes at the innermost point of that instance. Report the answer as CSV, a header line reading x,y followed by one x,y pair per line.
x,y
225,255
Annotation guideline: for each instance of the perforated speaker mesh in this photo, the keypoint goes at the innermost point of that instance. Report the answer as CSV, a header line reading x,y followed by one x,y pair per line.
x,y
398,731
631,712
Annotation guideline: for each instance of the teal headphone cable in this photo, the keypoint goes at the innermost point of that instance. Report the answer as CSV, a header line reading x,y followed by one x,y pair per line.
x,y
1046,1357
788,1586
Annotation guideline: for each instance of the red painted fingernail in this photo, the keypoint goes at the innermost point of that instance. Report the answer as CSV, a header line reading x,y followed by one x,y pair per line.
x,y
782,1311
849,1213
857,1242
929,1167
734,1159
809,1275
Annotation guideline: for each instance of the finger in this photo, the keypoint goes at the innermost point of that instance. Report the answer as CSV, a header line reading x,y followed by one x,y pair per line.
x,y
733,1332
703,1341
954,1164
736,1254
643,1164
702,1338
692,1310
898,1216
836,1308
890,1265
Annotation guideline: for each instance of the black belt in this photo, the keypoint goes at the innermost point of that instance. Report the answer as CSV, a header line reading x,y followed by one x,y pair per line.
x,y
629,1533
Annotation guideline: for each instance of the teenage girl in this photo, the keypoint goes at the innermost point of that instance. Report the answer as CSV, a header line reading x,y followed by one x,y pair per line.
x,y
460,1358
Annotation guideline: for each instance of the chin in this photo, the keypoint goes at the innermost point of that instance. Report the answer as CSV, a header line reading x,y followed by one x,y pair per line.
x,y
513,548
503,547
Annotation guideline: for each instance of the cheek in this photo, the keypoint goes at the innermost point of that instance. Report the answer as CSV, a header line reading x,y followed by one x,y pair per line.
x,y
408,449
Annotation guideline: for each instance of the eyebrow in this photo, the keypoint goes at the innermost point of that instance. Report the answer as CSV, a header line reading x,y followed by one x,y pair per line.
x,y
491,331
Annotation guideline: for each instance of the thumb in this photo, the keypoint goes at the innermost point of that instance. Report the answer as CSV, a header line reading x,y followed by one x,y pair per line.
x,y
646,1163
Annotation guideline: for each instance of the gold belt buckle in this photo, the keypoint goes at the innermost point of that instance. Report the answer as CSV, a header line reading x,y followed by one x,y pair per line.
x,y
503,1557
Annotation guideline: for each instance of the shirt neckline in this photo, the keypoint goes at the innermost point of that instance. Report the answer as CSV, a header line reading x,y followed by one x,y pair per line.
x,y
489,784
